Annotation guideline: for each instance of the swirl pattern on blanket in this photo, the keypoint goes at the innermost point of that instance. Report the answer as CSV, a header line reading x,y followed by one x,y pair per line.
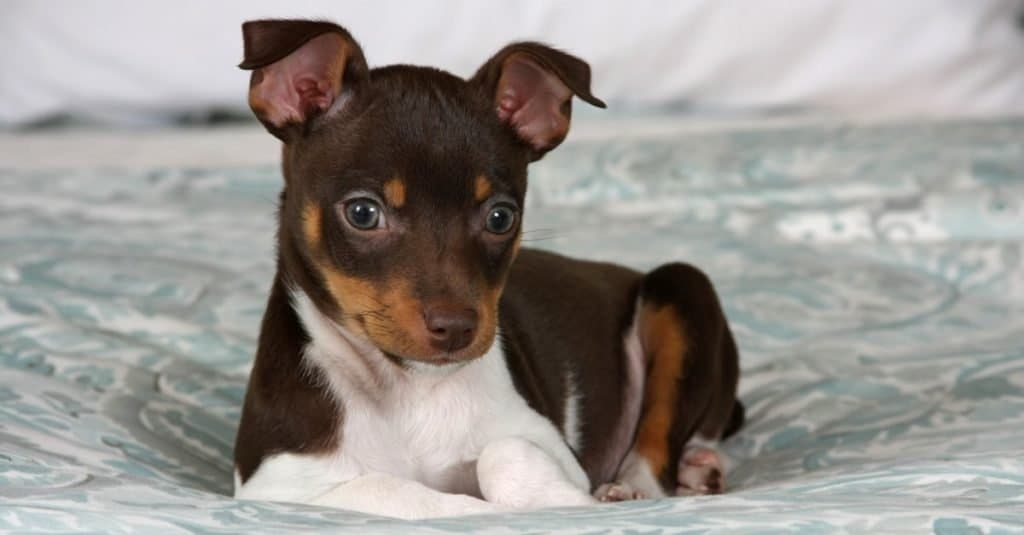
x,y
873,276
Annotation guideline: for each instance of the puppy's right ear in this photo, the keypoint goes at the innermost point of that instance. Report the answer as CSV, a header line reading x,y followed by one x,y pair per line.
x,y
301,69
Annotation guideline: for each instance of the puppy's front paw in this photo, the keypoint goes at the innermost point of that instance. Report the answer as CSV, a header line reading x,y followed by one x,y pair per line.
x,y
700,472
618,492
517,473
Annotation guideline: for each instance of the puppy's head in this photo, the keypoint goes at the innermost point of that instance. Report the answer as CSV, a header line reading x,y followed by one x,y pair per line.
x,y
404,185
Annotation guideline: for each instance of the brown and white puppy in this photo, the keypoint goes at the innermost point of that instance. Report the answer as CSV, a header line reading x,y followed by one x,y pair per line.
x,y
413,360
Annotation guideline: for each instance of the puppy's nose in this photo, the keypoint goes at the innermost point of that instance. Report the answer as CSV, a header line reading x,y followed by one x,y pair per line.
x,y
451,328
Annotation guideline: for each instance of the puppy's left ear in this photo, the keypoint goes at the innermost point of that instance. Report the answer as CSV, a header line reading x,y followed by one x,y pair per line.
x,y
532,86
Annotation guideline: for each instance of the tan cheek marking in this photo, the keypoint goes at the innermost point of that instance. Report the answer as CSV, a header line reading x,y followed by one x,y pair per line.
x,y
489,309
394,192
312,219
382,313
399,329
406,334
355,296
490,315
385,314
663,337
488,322
481,188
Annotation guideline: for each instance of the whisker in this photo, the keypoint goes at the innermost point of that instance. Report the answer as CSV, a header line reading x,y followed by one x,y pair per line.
x,y
540,233
273,201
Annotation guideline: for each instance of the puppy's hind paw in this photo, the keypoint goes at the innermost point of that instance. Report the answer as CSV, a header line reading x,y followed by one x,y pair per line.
x,y
700,472
618,492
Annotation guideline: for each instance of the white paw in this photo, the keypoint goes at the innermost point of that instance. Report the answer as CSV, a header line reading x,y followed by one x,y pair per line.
x,y
518,474
462,505
386,495
700,472
618,492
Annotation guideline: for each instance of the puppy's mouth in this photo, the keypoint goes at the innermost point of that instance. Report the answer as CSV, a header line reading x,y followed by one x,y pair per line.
x,y
439,361
437,365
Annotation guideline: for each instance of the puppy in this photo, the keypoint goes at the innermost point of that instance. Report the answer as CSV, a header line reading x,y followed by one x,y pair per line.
x,y
413,360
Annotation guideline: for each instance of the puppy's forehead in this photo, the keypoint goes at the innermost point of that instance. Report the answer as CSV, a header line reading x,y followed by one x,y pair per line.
x,y
420,133
433,119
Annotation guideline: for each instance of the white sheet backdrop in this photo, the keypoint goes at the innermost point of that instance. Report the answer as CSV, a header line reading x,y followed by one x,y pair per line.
x,y
124,61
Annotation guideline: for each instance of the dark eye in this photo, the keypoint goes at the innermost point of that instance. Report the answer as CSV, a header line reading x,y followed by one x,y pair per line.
x,y
500,219
364,214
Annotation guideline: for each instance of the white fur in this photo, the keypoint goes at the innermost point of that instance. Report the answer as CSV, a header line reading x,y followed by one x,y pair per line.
x,y
632,396
287,477
571,414
636,472
421,433
698,441
519,473
387,495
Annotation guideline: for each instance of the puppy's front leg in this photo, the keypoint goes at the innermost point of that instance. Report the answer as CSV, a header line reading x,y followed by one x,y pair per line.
x,y
387,495
518,473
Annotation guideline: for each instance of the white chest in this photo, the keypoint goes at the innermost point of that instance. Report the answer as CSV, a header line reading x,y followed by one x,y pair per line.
x,y
425,424
431,428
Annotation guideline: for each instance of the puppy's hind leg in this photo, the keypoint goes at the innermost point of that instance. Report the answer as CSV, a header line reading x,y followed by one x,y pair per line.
x,y
693,369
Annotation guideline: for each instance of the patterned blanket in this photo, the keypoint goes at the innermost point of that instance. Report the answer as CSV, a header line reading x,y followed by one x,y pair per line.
x,y
873,276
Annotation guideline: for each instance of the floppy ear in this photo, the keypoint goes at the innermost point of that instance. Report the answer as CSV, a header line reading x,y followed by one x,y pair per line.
x,y
301,69
532,86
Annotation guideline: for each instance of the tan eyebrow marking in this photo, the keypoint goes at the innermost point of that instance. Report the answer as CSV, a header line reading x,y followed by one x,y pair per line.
x,y
394,192
481,188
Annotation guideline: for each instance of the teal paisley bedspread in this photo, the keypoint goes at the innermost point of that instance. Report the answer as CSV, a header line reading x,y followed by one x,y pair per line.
x,y
873,275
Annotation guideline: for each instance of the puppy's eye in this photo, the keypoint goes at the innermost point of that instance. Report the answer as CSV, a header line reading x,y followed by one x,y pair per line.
x,y
364,214
500,219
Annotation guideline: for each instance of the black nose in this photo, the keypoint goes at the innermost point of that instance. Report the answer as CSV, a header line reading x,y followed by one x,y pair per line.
x,y
451,328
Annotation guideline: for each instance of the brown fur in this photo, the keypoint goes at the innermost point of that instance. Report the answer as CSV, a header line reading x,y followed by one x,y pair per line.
x,y
663,337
